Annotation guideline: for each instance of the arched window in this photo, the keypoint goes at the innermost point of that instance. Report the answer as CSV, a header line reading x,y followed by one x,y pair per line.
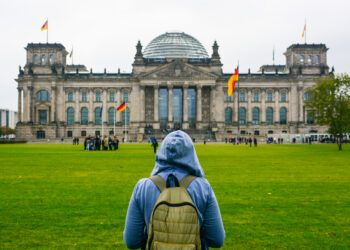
x,y
242,97
36,58
126,117
98,97
256,115
70,96
283,116
111,115
269,116
228,116
242,115
317,59
283,97
70,116
43,96
126,97
43,58
98,116
52,58
301,59
309,60
84,116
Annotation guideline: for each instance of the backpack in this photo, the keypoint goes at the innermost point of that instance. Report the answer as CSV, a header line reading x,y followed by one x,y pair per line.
x,y
174,220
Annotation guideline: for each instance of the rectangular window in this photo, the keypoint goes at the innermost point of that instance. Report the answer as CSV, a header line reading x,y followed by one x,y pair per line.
x,y
83,133
83,97
43,117
269,97
69,133
40,134
126,97
111,97
256,97
97,133
228,98
98,97
241,97
283,97
310,117
70,97
256,132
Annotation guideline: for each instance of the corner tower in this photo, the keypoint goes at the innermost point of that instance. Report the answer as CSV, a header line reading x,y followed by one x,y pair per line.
x,y
45,58
307,59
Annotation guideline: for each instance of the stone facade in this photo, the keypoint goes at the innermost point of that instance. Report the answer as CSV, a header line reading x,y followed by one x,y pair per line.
x,y
52,101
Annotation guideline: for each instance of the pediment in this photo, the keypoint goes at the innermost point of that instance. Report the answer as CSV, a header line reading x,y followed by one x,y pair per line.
x,y
179,70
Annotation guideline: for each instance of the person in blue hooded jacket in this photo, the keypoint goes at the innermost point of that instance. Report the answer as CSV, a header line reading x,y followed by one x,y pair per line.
x,y
176,155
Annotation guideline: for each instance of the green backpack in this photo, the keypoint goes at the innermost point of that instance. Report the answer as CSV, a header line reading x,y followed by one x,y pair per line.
x,y
174,220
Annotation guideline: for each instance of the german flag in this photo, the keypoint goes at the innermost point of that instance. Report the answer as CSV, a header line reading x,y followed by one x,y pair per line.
x,y
121,107
45,26
232,82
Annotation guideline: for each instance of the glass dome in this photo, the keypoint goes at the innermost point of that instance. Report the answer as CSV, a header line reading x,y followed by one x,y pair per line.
x,y
175,45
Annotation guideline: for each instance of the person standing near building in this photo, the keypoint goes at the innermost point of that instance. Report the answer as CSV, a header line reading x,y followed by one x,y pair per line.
x,y
154,144
110,142
250,141
176,164
105,143
255,142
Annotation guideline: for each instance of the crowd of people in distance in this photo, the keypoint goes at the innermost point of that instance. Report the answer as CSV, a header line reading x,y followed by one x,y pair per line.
x,y
96,143
246,141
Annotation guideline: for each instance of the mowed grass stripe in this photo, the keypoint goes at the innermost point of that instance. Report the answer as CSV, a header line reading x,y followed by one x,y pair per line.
x,y
272,196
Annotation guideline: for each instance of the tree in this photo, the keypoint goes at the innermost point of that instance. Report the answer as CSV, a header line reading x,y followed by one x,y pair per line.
x,y
330,101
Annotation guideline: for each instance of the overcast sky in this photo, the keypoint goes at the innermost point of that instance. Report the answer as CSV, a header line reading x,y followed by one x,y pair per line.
x,y
104,33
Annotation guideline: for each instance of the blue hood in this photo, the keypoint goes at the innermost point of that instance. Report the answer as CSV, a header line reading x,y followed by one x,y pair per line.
x,y
177,152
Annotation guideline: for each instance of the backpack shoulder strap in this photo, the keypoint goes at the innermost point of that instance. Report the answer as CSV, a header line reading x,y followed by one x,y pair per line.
x,y
186,181
159,182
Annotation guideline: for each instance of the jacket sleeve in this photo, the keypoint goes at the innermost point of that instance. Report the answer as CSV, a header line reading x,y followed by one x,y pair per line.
x,y
213,228
134,232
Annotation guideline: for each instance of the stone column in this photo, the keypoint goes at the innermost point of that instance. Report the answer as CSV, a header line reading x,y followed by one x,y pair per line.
x,y
263,106
19,113
170,104
91,107
53,103
293,103
219,104
212,104
301,105
142,104
277,111
105,108
60,100
156,104
77,109
249,107
119,102
31,104
185,107
199,106
235,107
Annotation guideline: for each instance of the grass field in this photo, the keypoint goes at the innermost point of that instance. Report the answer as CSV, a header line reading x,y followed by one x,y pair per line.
x,y
273,196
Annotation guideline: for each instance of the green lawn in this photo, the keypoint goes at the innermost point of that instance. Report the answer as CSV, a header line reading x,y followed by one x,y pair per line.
x,y
273,196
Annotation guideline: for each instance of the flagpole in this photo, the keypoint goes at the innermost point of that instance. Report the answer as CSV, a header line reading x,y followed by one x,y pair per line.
x,y
47,31
305,30
126,135
102,120
238,128
115,116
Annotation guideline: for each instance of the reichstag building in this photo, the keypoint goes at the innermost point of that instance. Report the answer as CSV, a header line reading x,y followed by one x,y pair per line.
x,y
174,84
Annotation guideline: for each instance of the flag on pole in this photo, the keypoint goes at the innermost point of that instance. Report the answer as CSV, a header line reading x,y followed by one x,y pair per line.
x,y
304,30
71,53
45,26
121,107
232,82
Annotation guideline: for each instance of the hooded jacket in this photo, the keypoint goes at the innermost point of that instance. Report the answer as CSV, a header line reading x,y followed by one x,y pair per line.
x,y
176,155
